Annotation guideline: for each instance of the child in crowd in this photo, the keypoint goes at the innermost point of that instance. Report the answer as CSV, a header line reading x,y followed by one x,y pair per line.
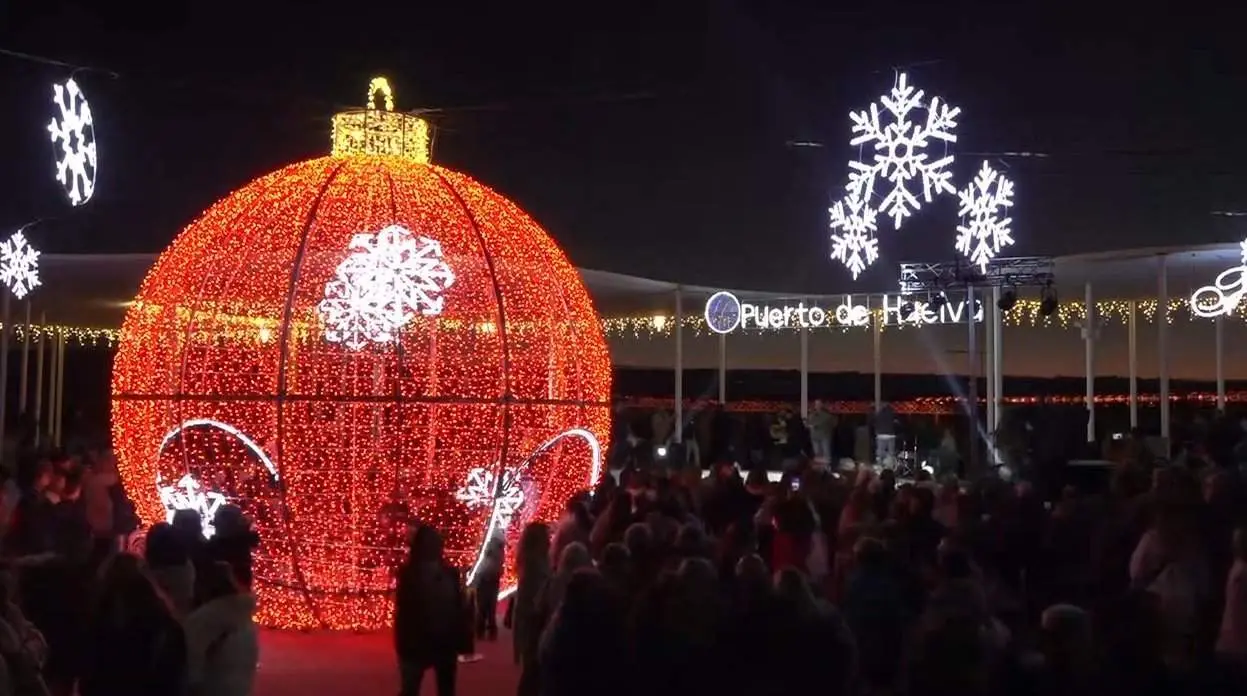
x,y
488,584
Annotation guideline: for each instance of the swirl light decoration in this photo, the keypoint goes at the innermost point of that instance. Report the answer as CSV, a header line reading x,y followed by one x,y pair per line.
x,y
473,344
1227,291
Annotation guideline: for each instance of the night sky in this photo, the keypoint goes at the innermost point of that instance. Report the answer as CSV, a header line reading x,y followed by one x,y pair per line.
x,y
649,138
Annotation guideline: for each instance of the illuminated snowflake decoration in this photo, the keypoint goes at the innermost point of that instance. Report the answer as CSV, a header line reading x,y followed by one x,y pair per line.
x,y
855,245
19,265
188,494
479,491
985,232
900,149
386,279
74,131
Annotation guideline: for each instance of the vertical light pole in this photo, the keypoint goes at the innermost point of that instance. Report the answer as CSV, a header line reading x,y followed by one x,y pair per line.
x,y
1088,337
876,324
805,372
972,389
989,360
1220,327
1162,346
1133,360
60,391
998,374
39,381
679,364
4,362
25,378
723,369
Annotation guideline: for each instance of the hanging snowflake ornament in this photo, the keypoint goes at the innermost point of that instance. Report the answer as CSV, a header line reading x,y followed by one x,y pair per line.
x,y
19,265
855,245
481,490
984,232
899,149
74,131
386,279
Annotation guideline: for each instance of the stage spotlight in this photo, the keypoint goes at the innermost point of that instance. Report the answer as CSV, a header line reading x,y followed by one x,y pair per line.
x,y
938,301
1007,300
1047,301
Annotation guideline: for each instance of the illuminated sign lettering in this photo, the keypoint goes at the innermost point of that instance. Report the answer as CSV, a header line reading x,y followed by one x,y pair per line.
x,y
725,313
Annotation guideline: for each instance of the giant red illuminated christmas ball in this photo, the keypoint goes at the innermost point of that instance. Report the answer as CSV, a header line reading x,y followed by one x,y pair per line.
x,y
350,344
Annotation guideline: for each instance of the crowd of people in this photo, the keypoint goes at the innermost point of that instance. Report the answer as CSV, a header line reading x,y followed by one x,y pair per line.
x,y
81,612
665,582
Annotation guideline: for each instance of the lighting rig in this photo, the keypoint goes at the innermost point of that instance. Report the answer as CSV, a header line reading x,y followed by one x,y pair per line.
x,y
1010,275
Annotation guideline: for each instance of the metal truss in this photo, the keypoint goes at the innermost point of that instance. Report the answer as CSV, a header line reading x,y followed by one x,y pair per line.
x,y
1020,272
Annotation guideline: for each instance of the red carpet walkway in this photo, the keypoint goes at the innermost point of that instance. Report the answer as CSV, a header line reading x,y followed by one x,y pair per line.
x,y
330,664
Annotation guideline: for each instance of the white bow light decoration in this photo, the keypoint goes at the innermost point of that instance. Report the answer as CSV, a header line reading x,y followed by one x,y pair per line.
x,y
1227,291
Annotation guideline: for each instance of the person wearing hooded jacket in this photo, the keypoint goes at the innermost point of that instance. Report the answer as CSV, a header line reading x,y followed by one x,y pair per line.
x,y
233,543
222,642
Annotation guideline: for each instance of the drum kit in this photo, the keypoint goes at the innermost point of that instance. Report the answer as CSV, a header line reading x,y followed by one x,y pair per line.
x,y
904,462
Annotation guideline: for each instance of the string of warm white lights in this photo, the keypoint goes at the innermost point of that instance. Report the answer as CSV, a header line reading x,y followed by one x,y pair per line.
x,y
1026,313
85,337
926,406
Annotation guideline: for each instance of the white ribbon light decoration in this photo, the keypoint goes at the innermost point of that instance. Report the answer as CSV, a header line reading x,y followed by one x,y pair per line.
x,y
1224,295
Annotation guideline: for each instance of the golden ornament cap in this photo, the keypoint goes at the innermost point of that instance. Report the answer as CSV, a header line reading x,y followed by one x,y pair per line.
x,y
379,129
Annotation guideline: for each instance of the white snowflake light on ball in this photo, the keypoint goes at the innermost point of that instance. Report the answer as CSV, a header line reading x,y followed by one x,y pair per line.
x,y
74,131
985,232
19,265
480,488
386,279
188,494
855,245
900,145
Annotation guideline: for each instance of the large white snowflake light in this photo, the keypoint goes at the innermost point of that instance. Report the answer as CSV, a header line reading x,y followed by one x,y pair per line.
x,y
74,131
900,149
189,494
481,490
855,245
984,232
19,265
386,279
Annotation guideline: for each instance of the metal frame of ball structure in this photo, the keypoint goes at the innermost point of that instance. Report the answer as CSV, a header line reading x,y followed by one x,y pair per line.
x,y
287,333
